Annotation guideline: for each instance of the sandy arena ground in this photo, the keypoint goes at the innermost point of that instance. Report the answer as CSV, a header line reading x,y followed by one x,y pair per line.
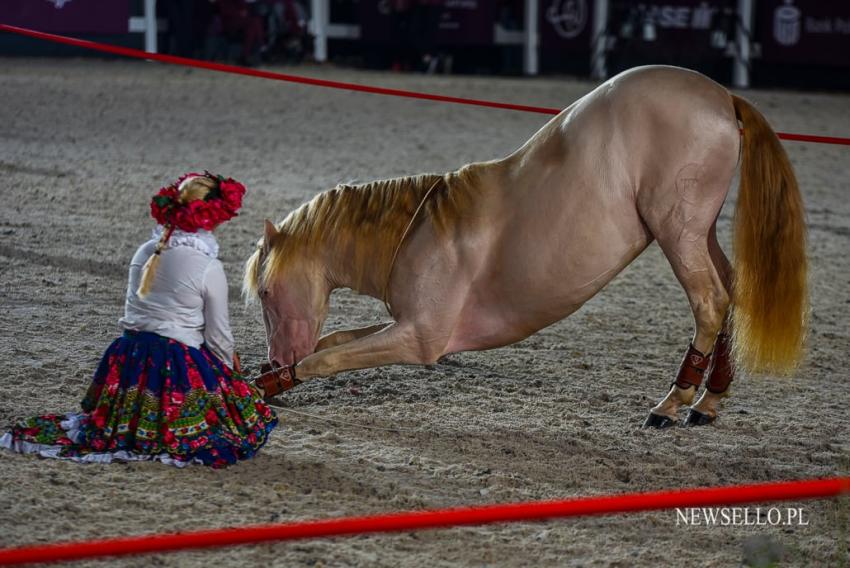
x,y
85,143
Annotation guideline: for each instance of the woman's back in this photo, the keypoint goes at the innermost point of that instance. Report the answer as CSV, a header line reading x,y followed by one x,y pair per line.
x,y
187,300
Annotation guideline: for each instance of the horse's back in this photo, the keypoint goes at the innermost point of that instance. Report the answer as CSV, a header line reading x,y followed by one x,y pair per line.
x,y
653,109
632,130
672,81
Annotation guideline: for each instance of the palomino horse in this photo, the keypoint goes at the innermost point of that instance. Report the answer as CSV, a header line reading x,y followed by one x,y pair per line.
x,y
489,254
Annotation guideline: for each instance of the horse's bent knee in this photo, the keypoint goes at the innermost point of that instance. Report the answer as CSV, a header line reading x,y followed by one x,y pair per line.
x,y
426,355
426,350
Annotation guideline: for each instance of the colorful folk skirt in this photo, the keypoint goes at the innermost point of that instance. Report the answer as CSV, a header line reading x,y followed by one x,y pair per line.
x,y
154,398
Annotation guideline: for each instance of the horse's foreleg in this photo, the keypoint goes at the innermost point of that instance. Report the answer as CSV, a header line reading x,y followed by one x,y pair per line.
x,y
394,344
344,336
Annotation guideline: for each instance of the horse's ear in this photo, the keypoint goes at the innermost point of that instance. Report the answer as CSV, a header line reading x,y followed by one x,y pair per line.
x,y
270,233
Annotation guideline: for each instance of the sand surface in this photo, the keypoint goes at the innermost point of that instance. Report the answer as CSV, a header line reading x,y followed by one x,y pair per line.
x,y
83,146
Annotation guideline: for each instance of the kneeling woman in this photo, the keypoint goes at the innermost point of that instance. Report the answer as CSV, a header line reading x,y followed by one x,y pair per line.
x,y
169,388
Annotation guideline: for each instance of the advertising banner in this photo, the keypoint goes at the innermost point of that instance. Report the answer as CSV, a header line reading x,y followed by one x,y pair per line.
x,y
378,20
811,32
565,33
67,16
464,22
697,34
565,27
676,29
445,23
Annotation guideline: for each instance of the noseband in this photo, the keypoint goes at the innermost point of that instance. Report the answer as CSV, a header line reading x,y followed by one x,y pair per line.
x,y
275,381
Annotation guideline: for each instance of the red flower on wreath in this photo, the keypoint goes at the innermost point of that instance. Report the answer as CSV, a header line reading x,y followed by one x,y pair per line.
x,y
220,205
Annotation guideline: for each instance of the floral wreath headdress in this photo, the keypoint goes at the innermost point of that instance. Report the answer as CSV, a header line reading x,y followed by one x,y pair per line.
x,y
221,204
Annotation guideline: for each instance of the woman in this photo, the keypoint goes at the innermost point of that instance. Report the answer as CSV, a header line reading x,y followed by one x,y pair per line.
x,y
169,388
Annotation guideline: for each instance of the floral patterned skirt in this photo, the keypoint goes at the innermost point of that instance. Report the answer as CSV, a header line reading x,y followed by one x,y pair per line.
x,y
154,398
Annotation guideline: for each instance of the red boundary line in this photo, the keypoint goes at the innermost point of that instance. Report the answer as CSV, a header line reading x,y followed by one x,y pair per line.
x,y
212,66
444,518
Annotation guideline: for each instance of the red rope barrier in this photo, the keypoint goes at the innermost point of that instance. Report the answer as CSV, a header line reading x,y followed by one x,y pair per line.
x,y
223,68
403,522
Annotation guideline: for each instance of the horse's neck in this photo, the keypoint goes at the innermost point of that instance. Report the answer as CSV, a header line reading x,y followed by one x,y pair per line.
x,y
371,220
345,268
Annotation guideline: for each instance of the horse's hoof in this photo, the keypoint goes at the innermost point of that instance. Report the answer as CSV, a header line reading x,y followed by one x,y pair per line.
x,y
658,421
697,418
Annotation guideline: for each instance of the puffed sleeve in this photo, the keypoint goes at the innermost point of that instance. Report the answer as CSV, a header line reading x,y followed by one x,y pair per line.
x,y
217,333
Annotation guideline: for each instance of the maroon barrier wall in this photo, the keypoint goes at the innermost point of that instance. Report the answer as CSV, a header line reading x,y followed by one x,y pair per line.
x,y
681,27
67,16
815,32
565,33
445,23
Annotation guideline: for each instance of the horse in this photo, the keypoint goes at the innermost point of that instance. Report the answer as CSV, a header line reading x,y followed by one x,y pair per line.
x,y
486,255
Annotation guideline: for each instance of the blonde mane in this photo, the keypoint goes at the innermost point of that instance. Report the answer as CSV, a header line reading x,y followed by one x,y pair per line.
x,y
364,222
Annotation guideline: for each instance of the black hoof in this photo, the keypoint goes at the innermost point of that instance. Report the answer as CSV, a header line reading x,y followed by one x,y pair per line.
x,y
658,421
697,418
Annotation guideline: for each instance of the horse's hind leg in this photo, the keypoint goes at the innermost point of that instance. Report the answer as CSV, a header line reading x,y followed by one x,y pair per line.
x,y
720,372
693,254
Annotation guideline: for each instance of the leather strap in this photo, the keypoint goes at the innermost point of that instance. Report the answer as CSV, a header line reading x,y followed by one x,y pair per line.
x,y
273,382
722,372
692,369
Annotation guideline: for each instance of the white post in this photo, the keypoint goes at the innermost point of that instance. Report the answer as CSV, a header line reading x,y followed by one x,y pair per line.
x,y
531,43
320,21
741,69
150,26
599,39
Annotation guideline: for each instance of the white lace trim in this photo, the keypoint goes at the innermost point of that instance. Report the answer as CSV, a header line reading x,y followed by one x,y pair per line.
x,y
203,241
71,425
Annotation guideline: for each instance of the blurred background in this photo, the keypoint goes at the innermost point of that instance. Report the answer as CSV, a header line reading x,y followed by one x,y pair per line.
x,y
790,43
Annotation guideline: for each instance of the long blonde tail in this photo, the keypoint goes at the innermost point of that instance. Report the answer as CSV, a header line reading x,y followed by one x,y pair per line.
x,y
149,269
770,303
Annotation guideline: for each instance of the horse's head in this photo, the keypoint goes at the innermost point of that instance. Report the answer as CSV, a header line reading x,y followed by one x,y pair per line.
x,y
293,292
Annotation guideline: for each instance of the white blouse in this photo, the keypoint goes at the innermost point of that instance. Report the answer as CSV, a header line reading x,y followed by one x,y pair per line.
x,y
188,297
